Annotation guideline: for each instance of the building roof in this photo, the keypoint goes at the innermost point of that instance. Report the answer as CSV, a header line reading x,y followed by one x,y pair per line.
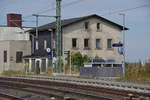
x,y
70,21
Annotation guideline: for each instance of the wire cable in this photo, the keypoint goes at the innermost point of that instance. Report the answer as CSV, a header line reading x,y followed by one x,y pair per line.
x,y
54,8
124,10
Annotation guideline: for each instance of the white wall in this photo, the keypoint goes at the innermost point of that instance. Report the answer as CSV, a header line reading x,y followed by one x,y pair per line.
x,y
12,47
13,33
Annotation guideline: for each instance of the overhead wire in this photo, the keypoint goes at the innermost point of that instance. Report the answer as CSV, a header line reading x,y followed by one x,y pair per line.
x,y
110,13
54,8
124,10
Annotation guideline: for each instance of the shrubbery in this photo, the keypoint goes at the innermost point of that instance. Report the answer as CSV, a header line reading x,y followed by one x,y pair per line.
x,y
78,59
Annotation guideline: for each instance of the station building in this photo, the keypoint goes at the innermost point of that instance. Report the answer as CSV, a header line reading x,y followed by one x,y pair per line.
x,y
90,35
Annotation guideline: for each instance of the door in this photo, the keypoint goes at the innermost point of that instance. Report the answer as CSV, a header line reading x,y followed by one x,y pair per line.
x,y
43,66
33,65
37,67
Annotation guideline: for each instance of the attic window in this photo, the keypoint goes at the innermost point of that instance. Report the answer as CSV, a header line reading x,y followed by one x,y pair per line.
x,y
86,24
98,26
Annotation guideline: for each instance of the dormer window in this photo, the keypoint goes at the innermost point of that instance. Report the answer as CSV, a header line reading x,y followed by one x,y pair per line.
x,y
86,24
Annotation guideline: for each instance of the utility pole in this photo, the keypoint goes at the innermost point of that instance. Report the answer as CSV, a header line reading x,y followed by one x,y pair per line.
x,y
58,34
122,14
37,27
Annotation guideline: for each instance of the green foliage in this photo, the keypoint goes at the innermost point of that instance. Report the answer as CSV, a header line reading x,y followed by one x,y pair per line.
x,y
12,72
78,59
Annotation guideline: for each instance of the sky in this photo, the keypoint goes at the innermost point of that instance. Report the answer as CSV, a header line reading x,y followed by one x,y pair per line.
x,y
137,38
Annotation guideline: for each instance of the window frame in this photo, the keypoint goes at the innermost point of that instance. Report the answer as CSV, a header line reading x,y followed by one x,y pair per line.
x,y
86,25
86,47
98,26
109,44
73,42
5,56
19,55
99,46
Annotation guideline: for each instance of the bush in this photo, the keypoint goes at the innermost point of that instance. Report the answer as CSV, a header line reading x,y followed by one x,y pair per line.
x,y
78,59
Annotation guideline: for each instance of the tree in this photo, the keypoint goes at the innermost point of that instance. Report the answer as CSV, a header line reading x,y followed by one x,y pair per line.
x,y
78,59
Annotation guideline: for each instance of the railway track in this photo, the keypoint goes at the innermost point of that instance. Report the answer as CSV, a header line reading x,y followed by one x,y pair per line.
x,y
43,89
23,88
93,91
7,96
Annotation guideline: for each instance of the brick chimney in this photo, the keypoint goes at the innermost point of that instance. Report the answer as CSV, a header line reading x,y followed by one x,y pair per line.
x,y
14,20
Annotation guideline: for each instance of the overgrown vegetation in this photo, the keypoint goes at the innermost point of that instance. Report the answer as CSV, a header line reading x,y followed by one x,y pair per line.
x,y
137,72
49,71
12,72
78,59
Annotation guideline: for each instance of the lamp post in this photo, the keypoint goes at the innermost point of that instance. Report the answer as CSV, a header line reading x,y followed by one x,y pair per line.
x,y
123,37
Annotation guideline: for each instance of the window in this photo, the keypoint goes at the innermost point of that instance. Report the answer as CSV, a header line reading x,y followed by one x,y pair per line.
x,y
5,56
19,55
86,25
98,26
109,43
98,43
45,44
36,45
86,43
74,43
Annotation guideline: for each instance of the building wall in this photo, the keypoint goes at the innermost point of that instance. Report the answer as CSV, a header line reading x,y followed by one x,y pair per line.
x,y
42,36
13,33
78,31
4,46
12,47
25,47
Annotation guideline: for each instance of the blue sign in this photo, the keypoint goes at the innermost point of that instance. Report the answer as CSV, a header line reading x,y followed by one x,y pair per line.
x,y
50,54
67,52
117,45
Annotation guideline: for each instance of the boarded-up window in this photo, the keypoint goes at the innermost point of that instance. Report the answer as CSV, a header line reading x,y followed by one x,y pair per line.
x,y
19,55
5,56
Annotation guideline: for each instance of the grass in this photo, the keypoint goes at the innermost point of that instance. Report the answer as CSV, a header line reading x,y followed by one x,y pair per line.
x,y
12,72
137,72
48,71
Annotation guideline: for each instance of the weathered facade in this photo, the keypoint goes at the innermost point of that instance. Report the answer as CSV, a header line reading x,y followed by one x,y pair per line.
x,y
102,35
11,53
90,35
14,43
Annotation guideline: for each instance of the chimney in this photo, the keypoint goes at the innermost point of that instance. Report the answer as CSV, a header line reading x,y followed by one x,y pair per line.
x,y
14,20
